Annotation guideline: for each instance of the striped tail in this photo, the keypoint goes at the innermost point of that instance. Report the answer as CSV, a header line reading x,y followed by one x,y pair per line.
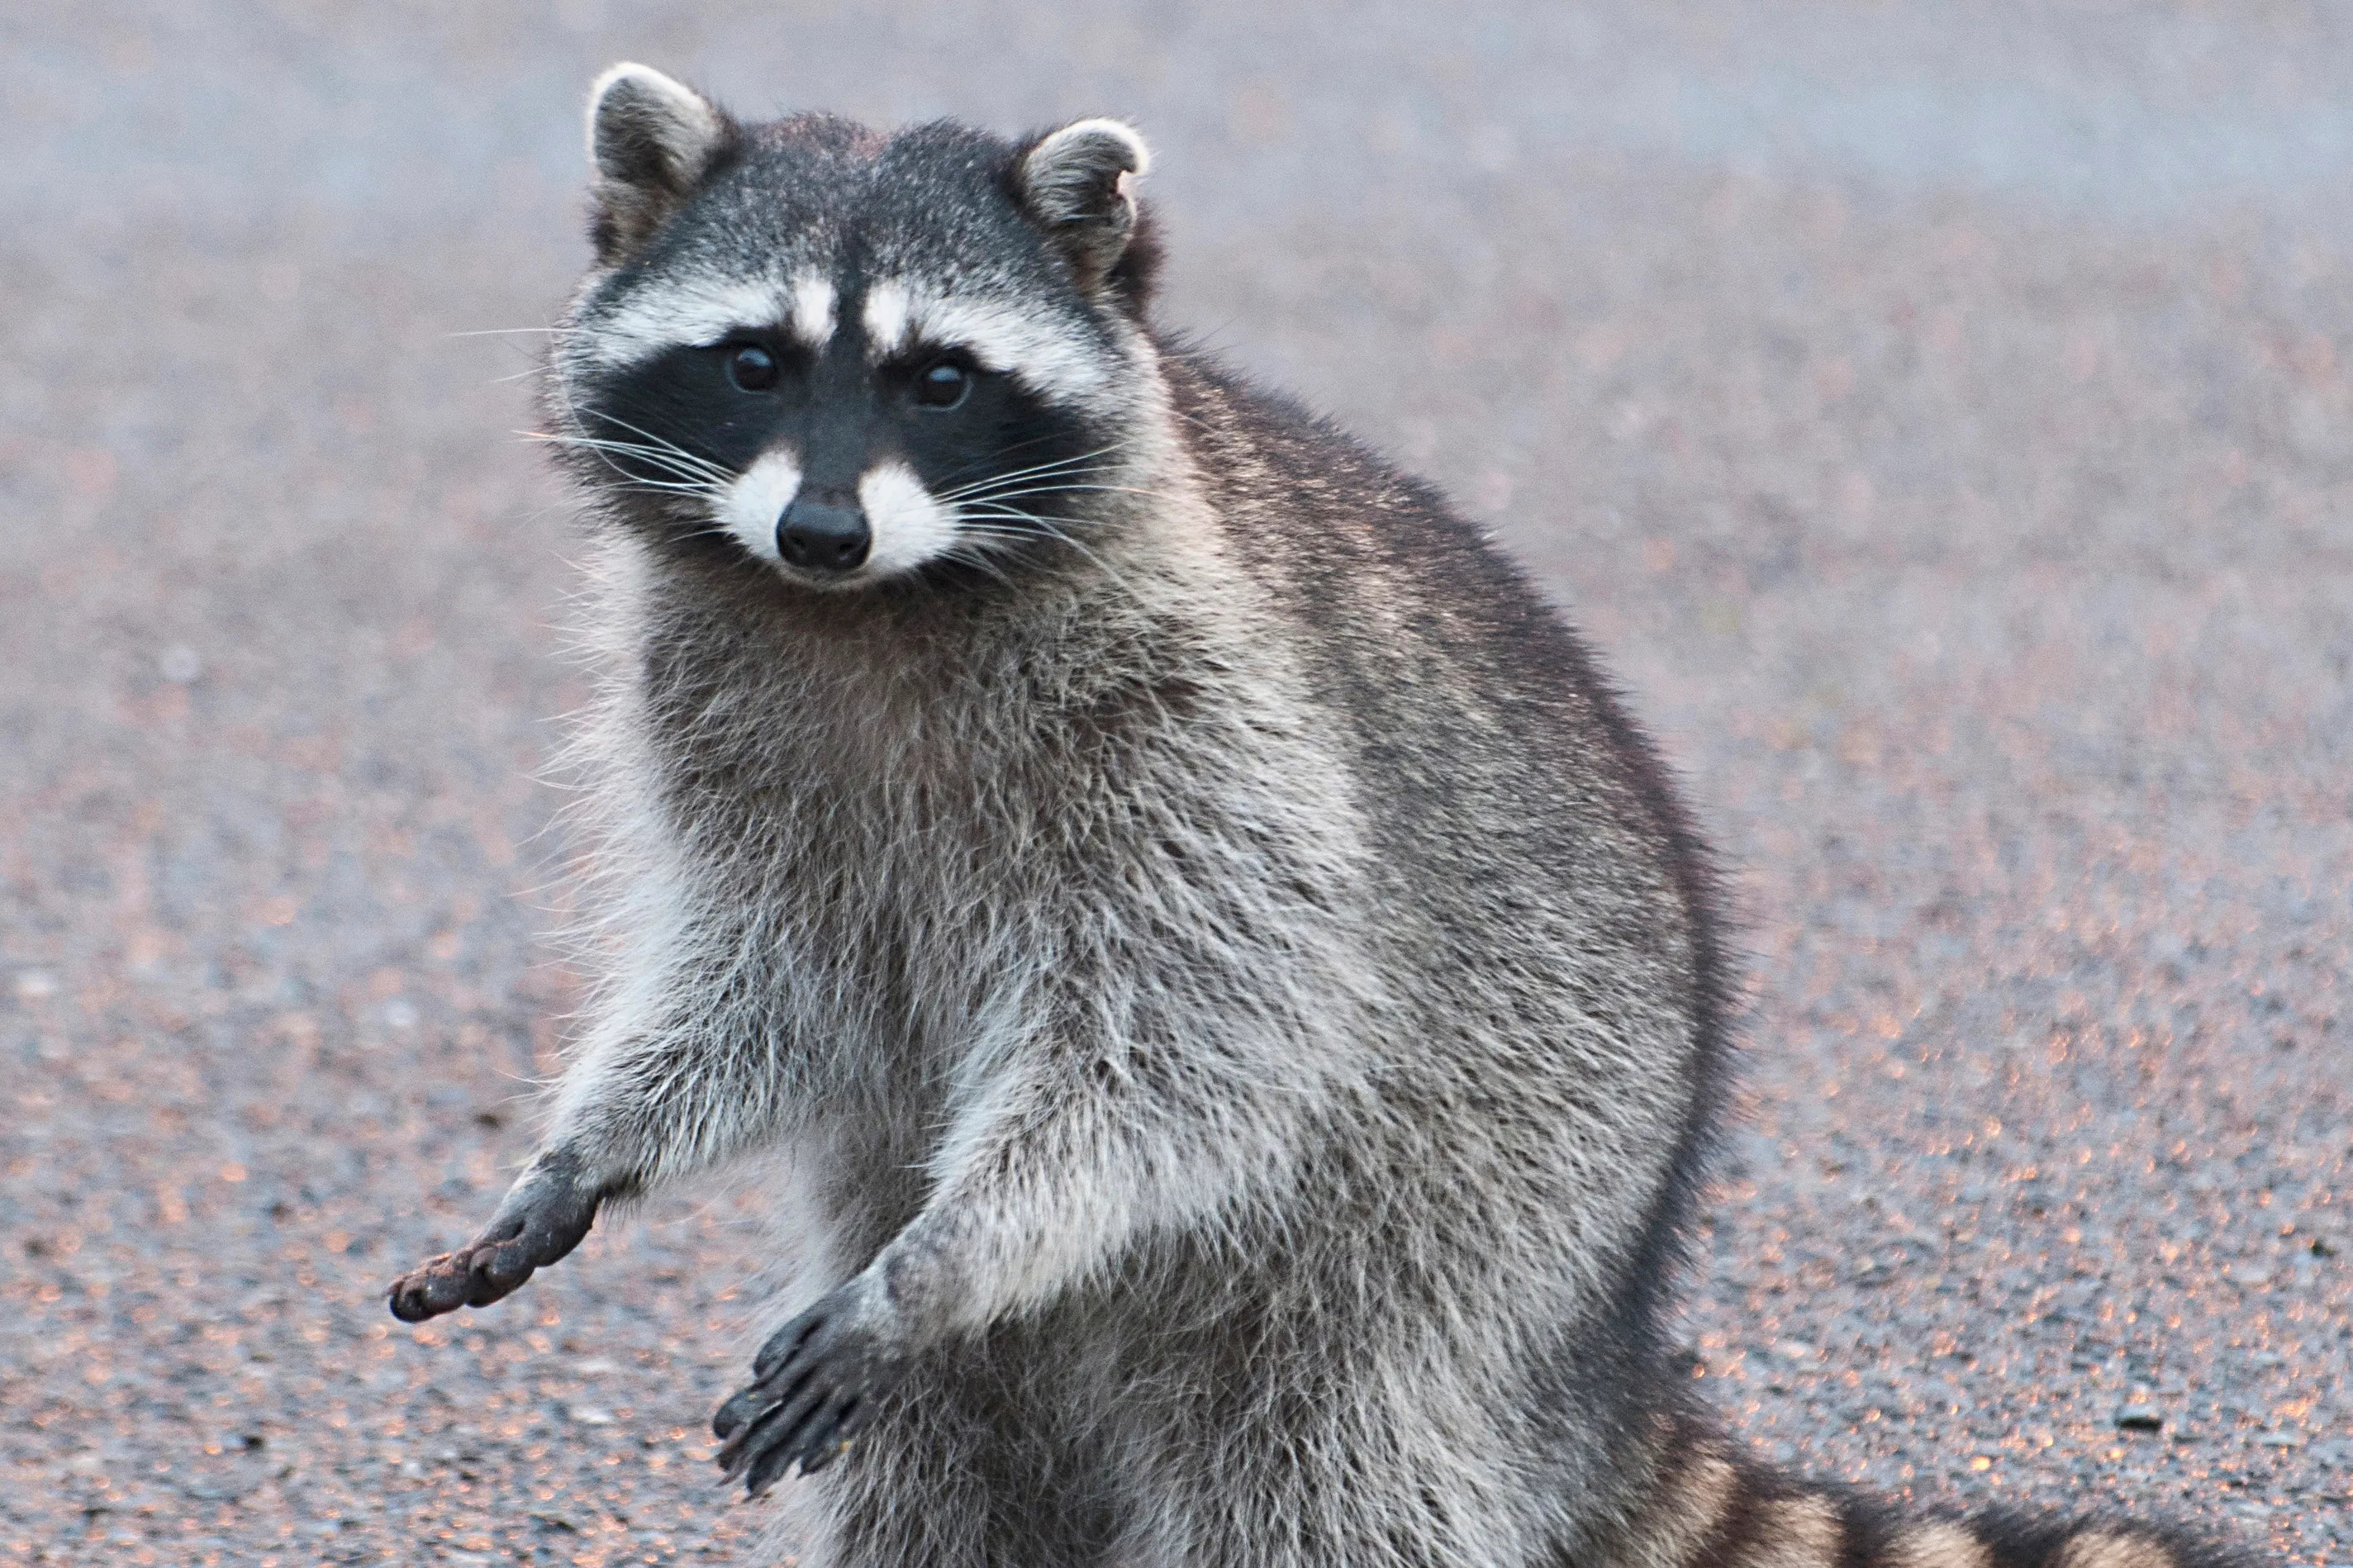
x,y
1711,1506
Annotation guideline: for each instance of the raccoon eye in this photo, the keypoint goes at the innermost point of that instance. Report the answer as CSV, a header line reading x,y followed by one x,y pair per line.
x,y
944,385
753,369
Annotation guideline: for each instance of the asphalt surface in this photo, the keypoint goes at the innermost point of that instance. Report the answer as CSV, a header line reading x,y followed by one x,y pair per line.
x,y
1938,411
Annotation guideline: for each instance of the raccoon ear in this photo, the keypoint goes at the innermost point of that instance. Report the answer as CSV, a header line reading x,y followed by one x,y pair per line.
x,y
1079,186
651,140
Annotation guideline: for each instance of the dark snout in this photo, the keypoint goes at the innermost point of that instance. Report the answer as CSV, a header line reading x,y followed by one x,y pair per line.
x,y
817,535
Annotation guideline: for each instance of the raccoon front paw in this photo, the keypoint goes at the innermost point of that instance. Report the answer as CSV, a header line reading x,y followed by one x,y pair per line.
x,y
814,1386
541,1220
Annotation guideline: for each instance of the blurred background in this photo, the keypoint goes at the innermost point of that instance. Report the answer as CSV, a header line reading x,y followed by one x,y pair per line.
x,y
1937,411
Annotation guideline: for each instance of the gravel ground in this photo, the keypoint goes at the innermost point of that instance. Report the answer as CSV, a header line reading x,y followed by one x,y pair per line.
x,y
1939,410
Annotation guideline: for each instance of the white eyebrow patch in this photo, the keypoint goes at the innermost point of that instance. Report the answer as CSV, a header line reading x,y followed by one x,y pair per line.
x,y
908,527
813,302
685,315
887,317
1053,356
750,508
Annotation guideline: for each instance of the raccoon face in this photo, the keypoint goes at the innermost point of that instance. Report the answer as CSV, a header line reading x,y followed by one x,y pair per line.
x,y
847,359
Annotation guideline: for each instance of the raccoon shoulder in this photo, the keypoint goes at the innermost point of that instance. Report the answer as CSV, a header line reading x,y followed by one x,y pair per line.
x,y
1416,622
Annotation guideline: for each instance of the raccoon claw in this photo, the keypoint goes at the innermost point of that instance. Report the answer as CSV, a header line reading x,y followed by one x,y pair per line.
x,y
816,1384
541,1220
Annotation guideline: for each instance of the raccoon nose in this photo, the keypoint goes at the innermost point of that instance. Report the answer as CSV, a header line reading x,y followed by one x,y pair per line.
x,y
818,536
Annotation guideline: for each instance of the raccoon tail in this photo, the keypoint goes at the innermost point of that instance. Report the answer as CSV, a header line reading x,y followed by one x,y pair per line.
x,y
1711,1506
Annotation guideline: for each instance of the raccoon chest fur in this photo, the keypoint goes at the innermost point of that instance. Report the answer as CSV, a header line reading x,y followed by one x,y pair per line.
x,y
1051,823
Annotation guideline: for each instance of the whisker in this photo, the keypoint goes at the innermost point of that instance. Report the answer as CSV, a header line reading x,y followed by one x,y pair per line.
x,y
1033,471
1014,447
1055,489
666,444
1043,527
683,484
665,486
573,412
977,559
683,458
667,459
1017,514
620,486
1075,459
1019,485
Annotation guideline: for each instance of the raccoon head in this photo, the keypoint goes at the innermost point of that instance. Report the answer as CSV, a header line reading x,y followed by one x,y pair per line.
x,y
850,359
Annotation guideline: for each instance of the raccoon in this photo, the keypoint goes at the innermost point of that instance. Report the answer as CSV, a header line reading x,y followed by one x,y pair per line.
x,y
1244,1003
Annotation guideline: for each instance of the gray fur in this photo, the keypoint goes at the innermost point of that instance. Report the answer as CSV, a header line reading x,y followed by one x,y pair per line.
x,y
1239,996
651,141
